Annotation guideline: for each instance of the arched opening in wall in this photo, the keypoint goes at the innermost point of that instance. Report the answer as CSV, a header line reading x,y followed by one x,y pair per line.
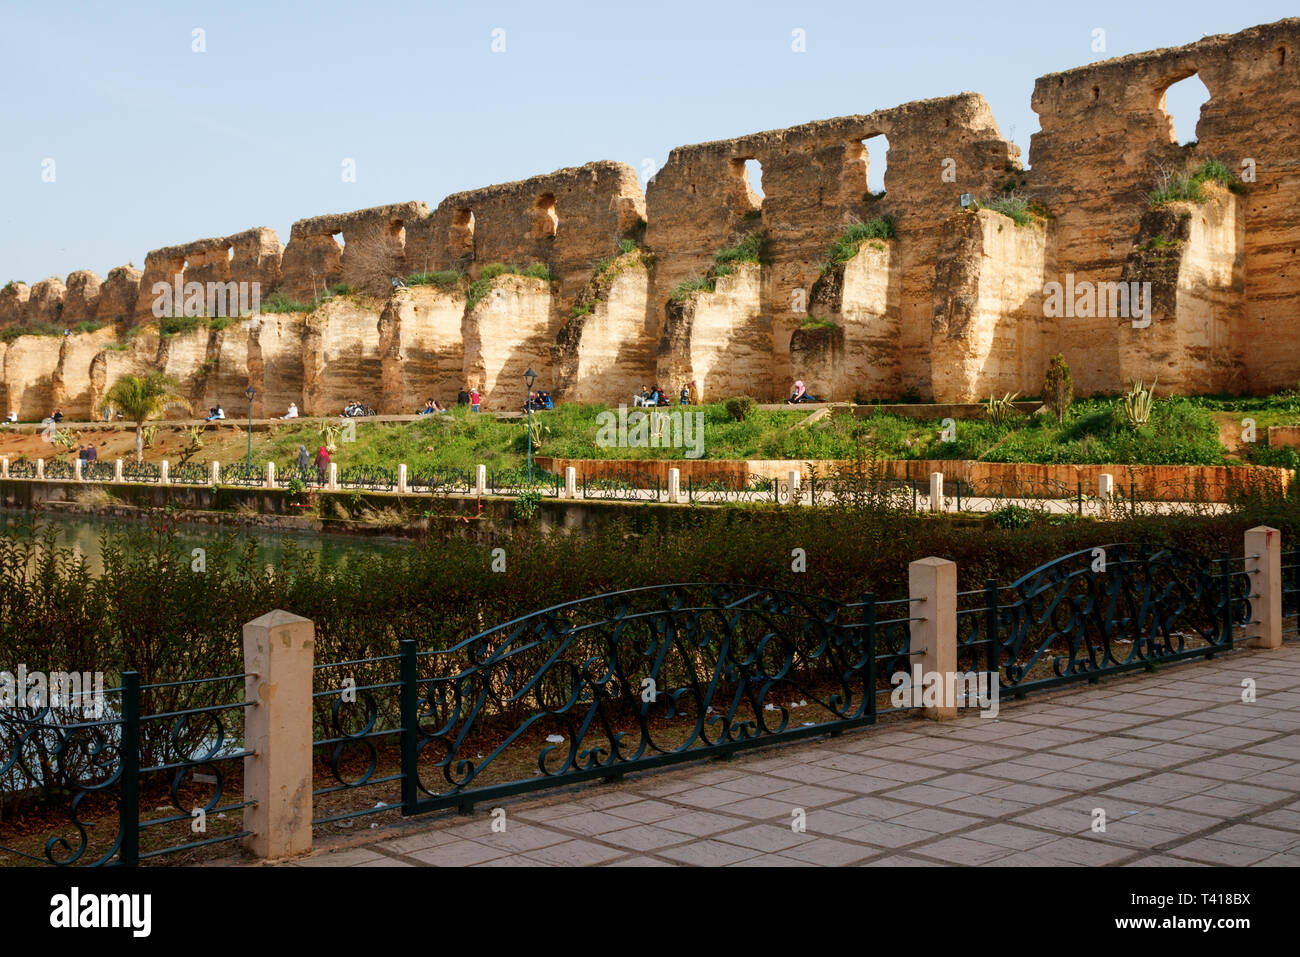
x,y
746,174
461,239
230,253
1182,102
545,220
875,157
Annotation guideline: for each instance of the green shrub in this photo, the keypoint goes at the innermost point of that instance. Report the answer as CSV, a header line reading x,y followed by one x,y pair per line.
x,y
1012,516
846,246
278,301
172,325
626,246
445,279
1187,187
813,322
749,250
1013,207
687,288
740,407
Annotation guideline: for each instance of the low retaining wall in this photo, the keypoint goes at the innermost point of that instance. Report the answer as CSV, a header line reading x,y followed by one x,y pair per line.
x,y
1210,483
1284,435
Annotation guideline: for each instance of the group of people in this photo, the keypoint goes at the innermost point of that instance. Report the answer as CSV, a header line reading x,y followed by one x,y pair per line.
x,y
88,453
432,407
687,395
355,408
470,397
539,402
216,412
321,461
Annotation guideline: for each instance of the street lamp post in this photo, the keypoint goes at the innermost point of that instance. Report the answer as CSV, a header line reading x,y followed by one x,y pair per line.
x,y
250,392
530,377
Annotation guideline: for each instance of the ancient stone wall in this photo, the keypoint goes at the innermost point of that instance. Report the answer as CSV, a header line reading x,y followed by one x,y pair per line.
x,y
952,306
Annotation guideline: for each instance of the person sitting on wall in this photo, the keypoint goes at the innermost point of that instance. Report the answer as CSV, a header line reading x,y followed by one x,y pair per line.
x,y
661,397
641,398
216,412
547,402
428,408
13,416
57,416
350,409
438,407
292,413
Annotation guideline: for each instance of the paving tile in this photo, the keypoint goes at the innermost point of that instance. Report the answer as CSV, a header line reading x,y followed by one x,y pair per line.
x,y
826,852
961,850
710,853
1220,852
575,853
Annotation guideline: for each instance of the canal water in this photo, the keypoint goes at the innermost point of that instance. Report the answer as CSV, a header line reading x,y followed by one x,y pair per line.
x,y
84,535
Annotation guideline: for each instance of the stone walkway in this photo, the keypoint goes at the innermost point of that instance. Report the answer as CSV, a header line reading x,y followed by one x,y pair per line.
x,y
1185,772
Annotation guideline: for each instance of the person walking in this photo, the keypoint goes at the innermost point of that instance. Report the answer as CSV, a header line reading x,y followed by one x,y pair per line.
x,y
304,461
322,464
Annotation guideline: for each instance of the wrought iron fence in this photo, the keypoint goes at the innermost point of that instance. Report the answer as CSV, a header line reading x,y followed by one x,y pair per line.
x,y
59,469
375,477
128,782
190,473
141,472
441,481
242,474
96,471
22,468
308,476
733,489
516,481
636,486
1044,496
869,491
1103,610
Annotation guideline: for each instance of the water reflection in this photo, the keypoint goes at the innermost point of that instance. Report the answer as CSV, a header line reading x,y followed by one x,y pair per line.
x,y
82,535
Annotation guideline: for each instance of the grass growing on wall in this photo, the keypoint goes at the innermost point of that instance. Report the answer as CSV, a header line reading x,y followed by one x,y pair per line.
x,y
847,244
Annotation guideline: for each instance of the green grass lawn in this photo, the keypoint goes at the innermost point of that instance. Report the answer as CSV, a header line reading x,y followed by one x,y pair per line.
x,y
1181,432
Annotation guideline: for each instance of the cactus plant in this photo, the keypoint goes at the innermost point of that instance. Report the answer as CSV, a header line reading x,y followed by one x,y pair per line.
x,y
1138,403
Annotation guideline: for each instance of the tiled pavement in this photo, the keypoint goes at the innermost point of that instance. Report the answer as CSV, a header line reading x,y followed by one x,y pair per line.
x,y
1185,772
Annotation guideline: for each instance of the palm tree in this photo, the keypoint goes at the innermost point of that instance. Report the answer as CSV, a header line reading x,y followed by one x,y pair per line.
x,y
141,398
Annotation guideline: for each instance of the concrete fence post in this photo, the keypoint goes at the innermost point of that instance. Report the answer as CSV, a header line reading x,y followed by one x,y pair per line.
x,y
932,587
480,480
570,482
40,468
333,476
270,475
278,659
1105,492
77,473
674,485
1264,563
936,491
793,477
117,470
401,479
164,473
215,477
4,467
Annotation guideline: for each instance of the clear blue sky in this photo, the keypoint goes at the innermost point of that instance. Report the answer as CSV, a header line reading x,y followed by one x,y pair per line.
x,y
154,144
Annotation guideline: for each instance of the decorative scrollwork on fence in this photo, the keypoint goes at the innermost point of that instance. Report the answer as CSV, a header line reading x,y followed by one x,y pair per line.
x,y
59,469
141,472
641,677
1102,610
368,477
243,474
97,471
190,474
22,468
441,481
629,485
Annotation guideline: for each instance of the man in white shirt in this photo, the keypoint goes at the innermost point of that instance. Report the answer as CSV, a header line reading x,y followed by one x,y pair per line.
x,y
292,413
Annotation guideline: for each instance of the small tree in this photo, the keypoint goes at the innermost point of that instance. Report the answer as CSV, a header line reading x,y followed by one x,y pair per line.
x,y
141,398
1058,387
